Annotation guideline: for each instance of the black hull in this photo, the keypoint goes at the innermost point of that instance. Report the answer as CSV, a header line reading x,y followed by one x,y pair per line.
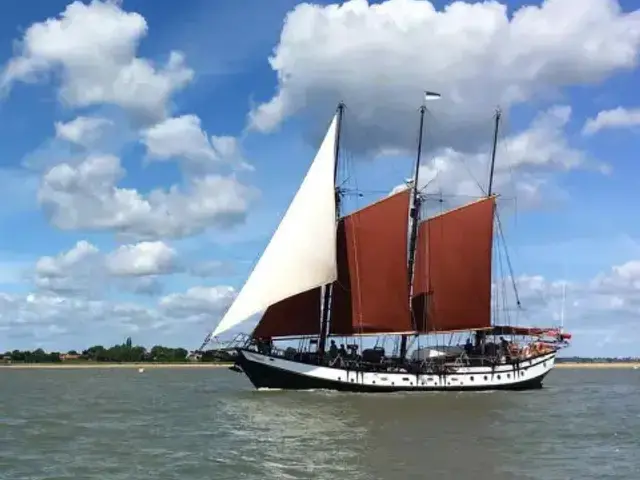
x,y
271,377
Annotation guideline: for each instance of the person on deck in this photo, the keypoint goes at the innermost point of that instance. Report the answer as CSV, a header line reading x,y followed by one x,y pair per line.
x,y
333,349
506,351
468,347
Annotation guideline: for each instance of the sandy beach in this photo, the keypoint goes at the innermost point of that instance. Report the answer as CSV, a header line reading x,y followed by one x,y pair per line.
x,y
598,365
56,366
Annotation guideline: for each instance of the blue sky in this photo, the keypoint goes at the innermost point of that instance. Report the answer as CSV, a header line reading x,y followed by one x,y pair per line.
x,y
551,68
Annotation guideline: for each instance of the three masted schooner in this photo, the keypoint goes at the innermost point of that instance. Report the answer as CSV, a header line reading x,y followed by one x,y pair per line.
x,y
381,271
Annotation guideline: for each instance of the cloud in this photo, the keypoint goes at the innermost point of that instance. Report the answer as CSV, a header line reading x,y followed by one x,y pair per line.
x,y
600,312
379,58
198,301
608,119
69,271
523,165
85,269
92,49
86,196
142,259
83,131
183,138
60,322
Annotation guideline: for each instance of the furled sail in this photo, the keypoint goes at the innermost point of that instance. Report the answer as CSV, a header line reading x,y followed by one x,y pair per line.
x,y
452,275
371,294
301,255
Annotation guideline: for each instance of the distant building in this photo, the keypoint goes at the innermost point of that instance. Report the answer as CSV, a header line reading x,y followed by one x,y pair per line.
x,y
69,356
195,356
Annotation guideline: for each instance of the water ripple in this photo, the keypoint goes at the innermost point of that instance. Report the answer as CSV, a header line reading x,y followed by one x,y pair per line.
x,y
202,424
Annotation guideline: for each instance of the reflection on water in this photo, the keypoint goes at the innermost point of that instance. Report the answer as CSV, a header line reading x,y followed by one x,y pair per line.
x,y
197,424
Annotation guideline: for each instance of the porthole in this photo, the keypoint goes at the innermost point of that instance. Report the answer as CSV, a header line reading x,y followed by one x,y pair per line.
x,y
498,377
352,380
485,377
471,378
508,375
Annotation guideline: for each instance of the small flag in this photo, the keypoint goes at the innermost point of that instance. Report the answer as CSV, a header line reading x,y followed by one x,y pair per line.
x,y
431,95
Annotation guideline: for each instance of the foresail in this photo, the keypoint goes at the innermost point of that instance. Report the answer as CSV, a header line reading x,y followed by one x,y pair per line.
x,y
303,307
372,292
301,255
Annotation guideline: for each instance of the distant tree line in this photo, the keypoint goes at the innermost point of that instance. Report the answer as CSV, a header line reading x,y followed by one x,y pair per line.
x,y
123,353
596,359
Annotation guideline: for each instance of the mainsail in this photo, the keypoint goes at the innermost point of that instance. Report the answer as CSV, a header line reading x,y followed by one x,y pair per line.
x,y
301,255
371,294
452,277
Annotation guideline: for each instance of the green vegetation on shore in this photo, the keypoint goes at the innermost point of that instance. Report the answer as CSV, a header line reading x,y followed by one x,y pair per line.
x,y
123,353
597,359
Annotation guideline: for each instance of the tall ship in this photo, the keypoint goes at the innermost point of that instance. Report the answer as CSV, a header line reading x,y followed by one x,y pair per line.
x,y
385,298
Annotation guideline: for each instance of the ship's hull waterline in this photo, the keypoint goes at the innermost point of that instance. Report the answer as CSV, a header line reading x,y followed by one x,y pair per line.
x,y
277,373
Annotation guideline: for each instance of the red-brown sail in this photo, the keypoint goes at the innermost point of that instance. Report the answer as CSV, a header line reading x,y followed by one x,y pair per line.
x,y
294,316
452,275
371,294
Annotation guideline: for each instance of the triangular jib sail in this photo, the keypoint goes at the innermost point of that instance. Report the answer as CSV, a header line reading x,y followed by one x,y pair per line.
x,y
301,255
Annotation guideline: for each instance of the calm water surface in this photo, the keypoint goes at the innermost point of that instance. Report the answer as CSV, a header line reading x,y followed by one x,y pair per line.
x,y
210,424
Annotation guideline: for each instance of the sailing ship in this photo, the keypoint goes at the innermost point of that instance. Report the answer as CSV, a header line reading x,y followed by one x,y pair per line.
x,y
381,272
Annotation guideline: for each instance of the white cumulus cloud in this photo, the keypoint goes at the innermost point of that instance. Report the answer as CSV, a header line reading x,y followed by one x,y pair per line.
x,y
610,119
83,131
87,196
525,161
183,138
379,58
92,49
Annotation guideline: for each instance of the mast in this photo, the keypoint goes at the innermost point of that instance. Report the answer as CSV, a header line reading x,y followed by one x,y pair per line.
x,y
326,301
564,292
494,149
415,216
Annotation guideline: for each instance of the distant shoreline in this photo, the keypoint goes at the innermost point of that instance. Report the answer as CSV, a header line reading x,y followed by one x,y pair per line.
x,y
107,365
597,365
110,365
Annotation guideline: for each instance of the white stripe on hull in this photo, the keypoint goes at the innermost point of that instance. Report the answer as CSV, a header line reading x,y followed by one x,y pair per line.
x,y
471,378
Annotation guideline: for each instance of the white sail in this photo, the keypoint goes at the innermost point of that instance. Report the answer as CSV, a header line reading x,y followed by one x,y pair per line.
x,y
301,255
